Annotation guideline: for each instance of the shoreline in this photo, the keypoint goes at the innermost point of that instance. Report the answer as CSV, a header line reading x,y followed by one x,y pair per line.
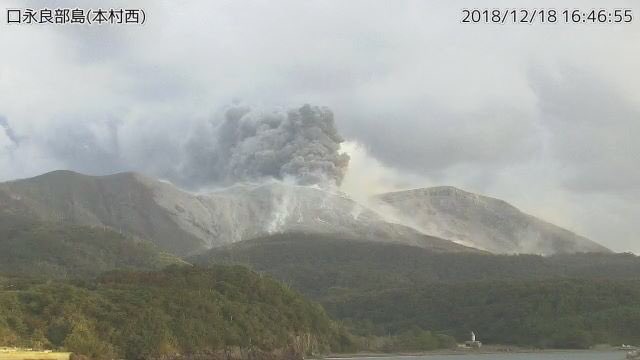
x,y
488,351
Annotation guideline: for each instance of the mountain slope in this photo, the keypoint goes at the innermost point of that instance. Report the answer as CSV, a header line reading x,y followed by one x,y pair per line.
x,y
185,223
566,300
482,222
50,250
247,211
121,202
321,266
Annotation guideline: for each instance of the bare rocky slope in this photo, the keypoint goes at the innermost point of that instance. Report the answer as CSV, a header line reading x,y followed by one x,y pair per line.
x,y
184,223
482,222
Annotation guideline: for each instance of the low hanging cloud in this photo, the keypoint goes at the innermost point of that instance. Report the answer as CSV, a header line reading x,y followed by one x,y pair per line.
x,y
302,144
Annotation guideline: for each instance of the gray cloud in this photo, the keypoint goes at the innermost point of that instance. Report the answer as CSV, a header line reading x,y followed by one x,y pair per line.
x,y
90,147
8,131
543,116
426,139
594,132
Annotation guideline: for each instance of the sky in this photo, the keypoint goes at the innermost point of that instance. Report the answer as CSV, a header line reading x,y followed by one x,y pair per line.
x,y
544,116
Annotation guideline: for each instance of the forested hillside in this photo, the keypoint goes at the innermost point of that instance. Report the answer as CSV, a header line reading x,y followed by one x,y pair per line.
x,y
319,265
41,249
571,301
385,297
180,310
538,313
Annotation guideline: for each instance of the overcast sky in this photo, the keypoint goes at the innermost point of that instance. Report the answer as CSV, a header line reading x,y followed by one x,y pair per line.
x,y
546,117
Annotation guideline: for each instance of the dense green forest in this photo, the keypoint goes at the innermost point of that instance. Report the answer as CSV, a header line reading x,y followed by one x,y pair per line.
x,y
59,292
180,310
534,313
41,249
320,265
567,301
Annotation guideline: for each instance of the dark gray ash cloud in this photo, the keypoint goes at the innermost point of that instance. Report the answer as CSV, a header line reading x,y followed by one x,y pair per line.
x,y
302,144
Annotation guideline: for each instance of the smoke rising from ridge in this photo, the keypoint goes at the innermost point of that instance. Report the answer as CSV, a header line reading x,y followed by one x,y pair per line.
x,y
302,144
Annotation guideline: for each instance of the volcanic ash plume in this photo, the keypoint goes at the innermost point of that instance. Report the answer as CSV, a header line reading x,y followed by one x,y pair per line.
x,y
302,144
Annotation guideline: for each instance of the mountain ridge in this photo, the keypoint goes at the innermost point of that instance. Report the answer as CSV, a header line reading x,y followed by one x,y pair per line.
x,y
481,221
186,223
118,201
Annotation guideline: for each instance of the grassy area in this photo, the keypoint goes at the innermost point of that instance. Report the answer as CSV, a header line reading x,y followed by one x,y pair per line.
x,y
33,355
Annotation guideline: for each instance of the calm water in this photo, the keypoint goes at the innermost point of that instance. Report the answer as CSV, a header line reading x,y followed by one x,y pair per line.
x,y
584,355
